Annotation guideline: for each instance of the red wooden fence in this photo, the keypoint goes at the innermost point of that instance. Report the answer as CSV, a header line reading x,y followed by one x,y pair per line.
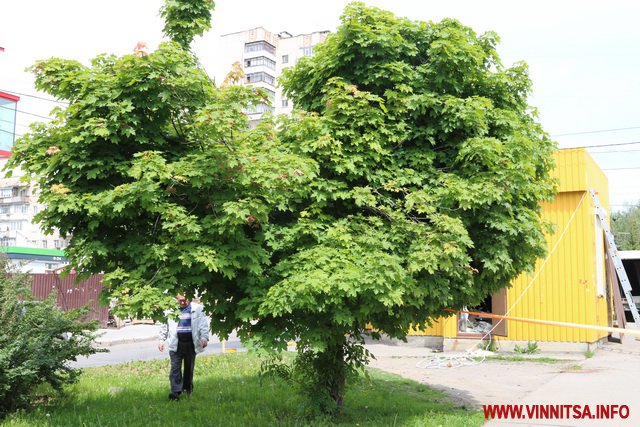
x,y
72,295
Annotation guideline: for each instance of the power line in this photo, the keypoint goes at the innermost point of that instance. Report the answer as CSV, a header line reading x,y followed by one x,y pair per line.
x,y
583,146
14,124
607,145
595,131
26,112
555,135
34,96
11,133
614,151
620,169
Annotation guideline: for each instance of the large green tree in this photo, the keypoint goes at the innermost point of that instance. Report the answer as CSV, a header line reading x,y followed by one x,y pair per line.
x,y
432,170
409,181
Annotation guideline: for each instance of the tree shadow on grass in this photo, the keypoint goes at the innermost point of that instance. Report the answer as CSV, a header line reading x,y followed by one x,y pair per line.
x,y
229,392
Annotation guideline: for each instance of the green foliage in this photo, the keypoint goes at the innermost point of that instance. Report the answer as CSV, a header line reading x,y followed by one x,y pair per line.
x,y
531,348
185,19
155,174
409,181
37,340
625,226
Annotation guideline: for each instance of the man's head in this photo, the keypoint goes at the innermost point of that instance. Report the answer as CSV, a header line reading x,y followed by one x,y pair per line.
x,y
182,301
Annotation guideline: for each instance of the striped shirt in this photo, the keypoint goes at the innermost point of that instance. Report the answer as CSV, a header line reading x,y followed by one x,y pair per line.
x,y
184,323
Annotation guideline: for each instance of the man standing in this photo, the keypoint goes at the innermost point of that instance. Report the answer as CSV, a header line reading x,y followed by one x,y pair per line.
x,y
184,338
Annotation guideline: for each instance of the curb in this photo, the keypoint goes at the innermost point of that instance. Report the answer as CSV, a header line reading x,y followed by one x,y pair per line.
x,y
110,343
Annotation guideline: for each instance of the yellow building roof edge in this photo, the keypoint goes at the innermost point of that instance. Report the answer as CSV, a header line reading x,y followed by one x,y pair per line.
x,y
577,171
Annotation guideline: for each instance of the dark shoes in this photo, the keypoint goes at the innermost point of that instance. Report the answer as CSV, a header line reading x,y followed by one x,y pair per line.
x,y
176,396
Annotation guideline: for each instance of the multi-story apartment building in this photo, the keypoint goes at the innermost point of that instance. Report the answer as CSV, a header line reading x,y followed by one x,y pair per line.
x,y
262,56
19,235
18,205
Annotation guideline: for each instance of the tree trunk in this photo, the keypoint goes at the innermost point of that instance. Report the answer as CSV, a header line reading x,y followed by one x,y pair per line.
x,y
333,368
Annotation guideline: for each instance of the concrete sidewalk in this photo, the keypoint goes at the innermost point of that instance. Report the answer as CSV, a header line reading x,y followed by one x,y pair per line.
x,y
127,334
611,377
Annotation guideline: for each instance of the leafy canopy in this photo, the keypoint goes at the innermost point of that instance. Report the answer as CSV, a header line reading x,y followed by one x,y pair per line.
x,y
155,174
185,19
432,170
409,181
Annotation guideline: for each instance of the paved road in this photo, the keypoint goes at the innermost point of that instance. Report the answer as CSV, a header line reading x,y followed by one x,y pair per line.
x,y
139,342
146,350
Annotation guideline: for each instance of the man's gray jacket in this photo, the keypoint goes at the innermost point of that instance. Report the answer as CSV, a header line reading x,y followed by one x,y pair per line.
x,y
199,329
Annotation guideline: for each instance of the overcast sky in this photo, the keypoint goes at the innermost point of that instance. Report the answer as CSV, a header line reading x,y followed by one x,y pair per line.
x,y
584,56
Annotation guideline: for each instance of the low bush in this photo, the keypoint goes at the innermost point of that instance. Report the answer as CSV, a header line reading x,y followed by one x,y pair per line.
x,y
37,340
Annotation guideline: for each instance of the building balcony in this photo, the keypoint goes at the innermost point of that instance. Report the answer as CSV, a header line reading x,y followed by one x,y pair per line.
x,y
16,199
260,78
259,47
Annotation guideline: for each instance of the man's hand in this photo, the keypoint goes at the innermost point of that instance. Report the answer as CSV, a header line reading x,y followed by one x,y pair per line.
x,y
161,346
204,342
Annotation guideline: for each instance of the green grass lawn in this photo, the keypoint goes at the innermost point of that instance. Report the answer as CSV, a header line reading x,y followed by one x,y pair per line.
x,y
229,392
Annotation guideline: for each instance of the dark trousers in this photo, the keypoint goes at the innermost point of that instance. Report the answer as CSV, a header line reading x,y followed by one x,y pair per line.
x,y
182,379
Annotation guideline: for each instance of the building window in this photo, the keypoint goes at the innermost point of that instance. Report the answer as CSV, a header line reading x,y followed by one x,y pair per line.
x,y
285,59
260,61
272,95
5,241
15,225
261,108
5,192
21,209
260,77
306,51
285,103
5,209
44,244
260,46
